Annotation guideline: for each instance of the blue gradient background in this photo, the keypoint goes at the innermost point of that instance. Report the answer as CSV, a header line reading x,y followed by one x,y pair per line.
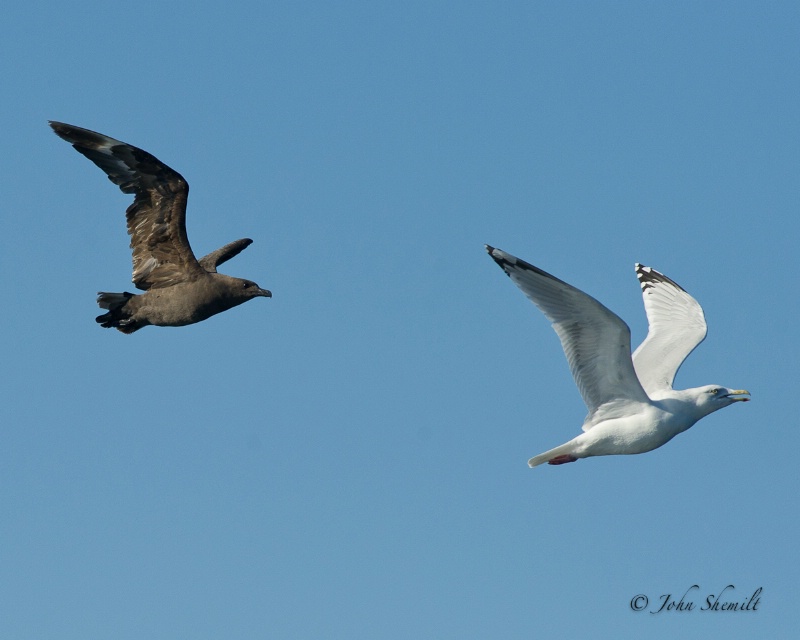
x,y
348,459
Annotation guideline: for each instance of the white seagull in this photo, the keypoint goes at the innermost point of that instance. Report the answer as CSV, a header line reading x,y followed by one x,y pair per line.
x,y
632,405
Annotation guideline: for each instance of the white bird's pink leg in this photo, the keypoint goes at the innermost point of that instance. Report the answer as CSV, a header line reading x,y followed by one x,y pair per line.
x,y
562,459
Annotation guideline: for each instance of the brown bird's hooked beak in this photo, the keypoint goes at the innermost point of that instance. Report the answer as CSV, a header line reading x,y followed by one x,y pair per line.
x,y
264,292
739,392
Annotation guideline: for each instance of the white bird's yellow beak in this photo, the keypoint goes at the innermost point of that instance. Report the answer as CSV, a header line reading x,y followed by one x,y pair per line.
x,y
739,392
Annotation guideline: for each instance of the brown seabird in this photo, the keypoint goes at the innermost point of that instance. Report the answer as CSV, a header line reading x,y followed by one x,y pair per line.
x,y
179,288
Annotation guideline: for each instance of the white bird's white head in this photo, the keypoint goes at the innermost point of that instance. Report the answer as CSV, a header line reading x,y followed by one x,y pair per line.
x,y
712,397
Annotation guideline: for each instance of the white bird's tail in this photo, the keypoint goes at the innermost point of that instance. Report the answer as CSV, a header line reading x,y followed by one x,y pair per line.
x,y
559,455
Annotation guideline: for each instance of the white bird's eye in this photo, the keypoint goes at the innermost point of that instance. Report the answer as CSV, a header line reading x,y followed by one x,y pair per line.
x,y
713,391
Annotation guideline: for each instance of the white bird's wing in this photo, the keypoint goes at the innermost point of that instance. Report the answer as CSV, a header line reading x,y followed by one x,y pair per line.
x,y
596,341
677,326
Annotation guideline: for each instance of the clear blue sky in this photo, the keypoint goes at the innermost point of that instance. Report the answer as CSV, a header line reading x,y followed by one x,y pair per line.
x,y
348,459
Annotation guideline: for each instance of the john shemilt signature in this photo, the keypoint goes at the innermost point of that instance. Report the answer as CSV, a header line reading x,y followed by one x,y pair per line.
x,y
723,601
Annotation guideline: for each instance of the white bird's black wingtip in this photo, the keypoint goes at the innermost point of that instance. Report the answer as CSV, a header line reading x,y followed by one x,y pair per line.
x,y
511,264
649,278
504,260
501,257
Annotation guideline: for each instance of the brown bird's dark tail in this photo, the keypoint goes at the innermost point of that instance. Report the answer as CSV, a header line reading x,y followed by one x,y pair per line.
x,y
118,316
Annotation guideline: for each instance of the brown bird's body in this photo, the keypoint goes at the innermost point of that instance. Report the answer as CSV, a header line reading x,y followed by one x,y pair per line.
x,y
179,288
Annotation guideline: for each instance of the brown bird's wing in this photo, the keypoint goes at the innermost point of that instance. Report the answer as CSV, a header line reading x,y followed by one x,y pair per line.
x,y
211,261
156,219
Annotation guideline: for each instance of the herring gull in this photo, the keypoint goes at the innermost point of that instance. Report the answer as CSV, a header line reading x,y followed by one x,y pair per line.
x,y
179,288
632,405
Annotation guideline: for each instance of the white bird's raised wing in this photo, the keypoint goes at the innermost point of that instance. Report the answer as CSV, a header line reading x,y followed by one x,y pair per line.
x,y
677,326
596,341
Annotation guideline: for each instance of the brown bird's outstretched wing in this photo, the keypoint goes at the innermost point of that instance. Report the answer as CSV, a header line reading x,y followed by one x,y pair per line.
x,y
156,219
211,261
